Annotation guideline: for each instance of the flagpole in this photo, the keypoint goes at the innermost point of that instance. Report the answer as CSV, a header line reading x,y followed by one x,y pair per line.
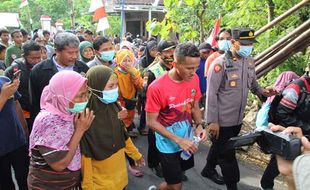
x,y
122,20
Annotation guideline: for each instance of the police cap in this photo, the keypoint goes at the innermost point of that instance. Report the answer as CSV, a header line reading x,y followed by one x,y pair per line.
x,y
244,35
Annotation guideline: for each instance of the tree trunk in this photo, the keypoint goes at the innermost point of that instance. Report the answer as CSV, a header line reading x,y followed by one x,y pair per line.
x,y
270,10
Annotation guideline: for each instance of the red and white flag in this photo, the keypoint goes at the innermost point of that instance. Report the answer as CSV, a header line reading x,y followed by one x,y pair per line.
x,y
212,38
100,15
23,3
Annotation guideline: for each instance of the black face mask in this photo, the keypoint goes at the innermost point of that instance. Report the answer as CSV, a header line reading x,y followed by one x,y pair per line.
x,y
167,59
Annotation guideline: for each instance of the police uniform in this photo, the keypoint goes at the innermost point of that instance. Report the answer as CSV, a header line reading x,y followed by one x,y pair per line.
x,y
229,81
13,52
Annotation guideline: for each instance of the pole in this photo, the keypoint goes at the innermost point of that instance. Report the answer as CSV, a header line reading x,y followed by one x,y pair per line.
x,y
150,18
281,17
122,20
72,15
29,16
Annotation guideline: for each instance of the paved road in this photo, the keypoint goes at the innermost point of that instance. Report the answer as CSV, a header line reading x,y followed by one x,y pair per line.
x,y
250,175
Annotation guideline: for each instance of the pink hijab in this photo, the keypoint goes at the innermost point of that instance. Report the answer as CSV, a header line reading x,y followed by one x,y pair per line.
x,y
53,127
282,81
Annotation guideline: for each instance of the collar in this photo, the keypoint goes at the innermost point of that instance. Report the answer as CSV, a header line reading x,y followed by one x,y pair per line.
x,y
59,67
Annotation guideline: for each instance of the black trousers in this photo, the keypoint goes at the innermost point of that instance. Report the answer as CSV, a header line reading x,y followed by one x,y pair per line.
x,y
19,160
152,151
142,123
270,173
226,158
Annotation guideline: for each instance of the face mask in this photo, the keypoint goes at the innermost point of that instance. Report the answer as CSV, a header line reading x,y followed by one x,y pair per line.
x,y
78,107
224,45
167,59
245,51
107,55
108,96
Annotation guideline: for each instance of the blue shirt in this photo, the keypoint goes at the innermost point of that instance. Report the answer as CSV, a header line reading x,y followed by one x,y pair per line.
x,y
11,131
201,74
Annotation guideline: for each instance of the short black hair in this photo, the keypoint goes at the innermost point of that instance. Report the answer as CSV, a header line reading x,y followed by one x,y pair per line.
x,y
129,39
30,46
99,41
46,32
14,32
186,50
81,38
88,32
227,30
2,48
24,32
3,30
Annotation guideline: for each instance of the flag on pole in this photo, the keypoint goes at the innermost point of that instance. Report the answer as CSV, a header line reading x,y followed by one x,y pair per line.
x,y
100,15
212,38
23,3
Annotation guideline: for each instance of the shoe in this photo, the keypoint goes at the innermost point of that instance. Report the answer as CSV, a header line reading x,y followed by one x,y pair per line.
x,y
260,186
184,177
213,176
158,171
152,187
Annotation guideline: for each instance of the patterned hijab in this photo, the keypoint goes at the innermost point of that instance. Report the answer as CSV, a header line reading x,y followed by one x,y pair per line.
x,y
53,127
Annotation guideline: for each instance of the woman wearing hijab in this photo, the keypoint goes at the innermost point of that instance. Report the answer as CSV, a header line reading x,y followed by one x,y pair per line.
x,y
54,141
104,145
149,54
86,51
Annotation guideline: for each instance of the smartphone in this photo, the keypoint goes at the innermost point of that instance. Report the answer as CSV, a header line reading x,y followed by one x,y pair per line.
x,y
16,75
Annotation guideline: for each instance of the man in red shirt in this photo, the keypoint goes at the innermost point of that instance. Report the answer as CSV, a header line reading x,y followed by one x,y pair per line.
x,y
172,105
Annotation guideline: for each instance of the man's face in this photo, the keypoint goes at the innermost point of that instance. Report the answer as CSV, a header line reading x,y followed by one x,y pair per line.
x,y
18,38
33,57
187,68
68,55
104,47
46,38
224,36
205,53
5,37
167,56
88,37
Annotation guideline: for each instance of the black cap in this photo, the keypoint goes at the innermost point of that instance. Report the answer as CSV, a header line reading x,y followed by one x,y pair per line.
x,y
244,35
205,46
164,45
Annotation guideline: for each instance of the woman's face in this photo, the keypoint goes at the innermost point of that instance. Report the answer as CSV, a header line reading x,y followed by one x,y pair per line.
x,y
81,96
88,53
153,53
126,62
112,83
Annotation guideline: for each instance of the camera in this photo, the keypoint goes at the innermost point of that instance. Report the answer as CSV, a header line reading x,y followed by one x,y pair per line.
x,y
285,145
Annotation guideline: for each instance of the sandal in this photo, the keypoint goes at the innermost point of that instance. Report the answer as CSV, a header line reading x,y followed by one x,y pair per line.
x,y
135,171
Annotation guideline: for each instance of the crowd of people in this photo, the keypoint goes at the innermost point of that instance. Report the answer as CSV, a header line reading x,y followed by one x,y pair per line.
x,y
68,103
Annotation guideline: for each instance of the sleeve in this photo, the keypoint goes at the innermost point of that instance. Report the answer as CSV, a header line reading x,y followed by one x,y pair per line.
x,y
153,103
286,108
209,61
8,57
150,77
34,95
9,72
132,150
214,80
51,155
137,80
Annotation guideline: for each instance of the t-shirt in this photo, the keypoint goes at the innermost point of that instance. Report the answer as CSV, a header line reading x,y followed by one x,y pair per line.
x,y
174,102
12,135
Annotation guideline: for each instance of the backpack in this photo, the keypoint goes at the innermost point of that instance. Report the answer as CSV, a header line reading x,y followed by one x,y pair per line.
x,y
277,99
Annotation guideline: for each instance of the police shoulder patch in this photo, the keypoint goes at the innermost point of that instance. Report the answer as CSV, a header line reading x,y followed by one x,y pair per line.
x,y
217,68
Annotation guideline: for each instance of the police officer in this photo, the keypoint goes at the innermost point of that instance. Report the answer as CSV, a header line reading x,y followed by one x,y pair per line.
x,y
229,79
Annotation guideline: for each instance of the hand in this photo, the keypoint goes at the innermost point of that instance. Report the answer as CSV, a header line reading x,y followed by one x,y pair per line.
x,y
202,133
122,114
130,69
8,90
187,145
140,162
214,130
82,121
269,92
276,128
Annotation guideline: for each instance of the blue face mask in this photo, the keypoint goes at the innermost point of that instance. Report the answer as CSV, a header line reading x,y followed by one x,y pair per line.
x,y
224,45
108,96
245,51
78,107
107,55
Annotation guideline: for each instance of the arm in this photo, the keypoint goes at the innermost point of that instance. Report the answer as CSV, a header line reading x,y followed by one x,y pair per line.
x,y
82,122
185,144
7,57
132,150
34,95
